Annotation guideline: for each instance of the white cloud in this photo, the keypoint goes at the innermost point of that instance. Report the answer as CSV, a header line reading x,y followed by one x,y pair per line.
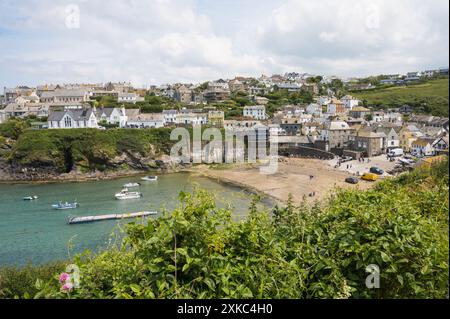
x,y
327,34
157,41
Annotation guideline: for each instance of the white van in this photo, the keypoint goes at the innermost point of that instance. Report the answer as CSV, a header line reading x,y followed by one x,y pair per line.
x,y
395,152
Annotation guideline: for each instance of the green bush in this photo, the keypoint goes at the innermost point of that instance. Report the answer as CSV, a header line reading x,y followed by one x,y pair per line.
x,y
318,251
13,128
21,282
89,148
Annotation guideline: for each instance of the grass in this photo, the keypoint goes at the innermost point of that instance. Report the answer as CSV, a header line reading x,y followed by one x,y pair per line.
x,y
430,97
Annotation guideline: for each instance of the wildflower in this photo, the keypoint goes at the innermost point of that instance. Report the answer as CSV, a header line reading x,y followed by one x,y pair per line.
x,y
63,277
67,286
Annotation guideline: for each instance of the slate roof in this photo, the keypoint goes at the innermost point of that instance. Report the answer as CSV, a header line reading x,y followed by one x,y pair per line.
x,y
76,115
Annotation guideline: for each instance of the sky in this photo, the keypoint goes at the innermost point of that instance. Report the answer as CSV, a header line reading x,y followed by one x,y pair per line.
x,y
165,41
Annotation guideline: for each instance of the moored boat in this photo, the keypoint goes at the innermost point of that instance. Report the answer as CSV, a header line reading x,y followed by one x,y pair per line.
x,y
150,178
33,197
126,194
66,205
131,185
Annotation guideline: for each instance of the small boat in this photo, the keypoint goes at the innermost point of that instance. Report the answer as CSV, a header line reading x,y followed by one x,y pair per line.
x,y
131,185
150,178
126,194
65,205
30,197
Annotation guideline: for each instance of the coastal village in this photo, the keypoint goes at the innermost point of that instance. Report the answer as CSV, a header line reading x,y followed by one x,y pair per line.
x,y
224,155
329,125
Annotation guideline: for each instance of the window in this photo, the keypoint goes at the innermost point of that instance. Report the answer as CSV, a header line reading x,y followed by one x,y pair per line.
x,y
67,122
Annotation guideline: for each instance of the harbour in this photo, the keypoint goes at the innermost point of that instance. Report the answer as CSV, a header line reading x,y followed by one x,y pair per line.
x,y
33,231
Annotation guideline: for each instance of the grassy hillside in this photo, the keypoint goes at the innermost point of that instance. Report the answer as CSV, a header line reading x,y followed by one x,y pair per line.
x,y
198,251
430,97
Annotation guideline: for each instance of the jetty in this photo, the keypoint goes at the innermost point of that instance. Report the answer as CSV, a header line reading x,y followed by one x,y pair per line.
x,y
90,219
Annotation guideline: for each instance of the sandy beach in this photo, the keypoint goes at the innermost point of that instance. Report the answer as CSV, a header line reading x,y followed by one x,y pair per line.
x,y
297,176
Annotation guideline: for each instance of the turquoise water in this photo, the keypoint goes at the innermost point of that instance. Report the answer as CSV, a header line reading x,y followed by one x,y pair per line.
x,y
31,231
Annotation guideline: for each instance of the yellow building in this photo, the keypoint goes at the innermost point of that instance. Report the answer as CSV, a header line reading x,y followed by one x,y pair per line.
x,y
216,118
408,134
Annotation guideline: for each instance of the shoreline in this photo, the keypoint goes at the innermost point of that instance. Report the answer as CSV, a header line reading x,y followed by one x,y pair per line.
x,y
230,182
88,177
307,180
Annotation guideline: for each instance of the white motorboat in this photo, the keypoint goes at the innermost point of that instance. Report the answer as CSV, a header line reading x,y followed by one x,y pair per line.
x,y
150,178
126,194
30,197
66,205
127,185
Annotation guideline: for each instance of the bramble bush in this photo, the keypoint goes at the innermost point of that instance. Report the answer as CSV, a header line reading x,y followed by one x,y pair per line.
x,y
309,251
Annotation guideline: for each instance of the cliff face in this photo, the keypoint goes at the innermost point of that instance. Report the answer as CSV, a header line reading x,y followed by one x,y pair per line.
x,y
122,165
85,154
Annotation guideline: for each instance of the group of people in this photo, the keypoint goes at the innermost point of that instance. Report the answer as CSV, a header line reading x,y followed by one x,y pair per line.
x,y
362,160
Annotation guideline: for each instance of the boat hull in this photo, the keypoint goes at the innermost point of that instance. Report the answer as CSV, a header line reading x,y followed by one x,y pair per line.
x,y
150,178
64,207
128,197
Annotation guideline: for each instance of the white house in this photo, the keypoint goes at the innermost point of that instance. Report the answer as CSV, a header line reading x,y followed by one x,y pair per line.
x,y
146,120
392,139
113,116
129,98
441,143
377,116
170,116
314,109
275,130
192,117
324,100
393,117
84,118
257,112
422,147
349,102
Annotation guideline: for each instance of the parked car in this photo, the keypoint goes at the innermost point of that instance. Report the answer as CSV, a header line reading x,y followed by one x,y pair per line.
x,y
376,170
351,180
369,177
345,159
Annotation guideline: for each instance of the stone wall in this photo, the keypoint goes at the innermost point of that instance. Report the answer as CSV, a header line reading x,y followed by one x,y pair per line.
x,y
307,152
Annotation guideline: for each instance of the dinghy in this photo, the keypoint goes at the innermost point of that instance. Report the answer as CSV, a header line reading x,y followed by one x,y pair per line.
x,y
30,197
150,178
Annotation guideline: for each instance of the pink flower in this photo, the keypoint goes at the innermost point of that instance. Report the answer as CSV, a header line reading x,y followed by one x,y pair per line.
x,y
63,277
67,286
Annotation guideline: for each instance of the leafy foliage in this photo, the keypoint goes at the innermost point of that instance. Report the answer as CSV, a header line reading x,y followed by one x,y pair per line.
x,y
21,282
318,251
14,127
89,148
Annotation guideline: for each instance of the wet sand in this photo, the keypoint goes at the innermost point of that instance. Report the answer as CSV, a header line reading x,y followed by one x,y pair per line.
x,y
292,177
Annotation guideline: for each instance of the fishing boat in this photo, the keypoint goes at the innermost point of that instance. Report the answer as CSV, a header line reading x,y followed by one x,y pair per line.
x,y
131,185
66,205
126,194
150,178
30,197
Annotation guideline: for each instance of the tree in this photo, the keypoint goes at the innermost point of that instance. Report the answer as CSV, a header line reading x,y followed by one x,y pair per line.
x,y
368,117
